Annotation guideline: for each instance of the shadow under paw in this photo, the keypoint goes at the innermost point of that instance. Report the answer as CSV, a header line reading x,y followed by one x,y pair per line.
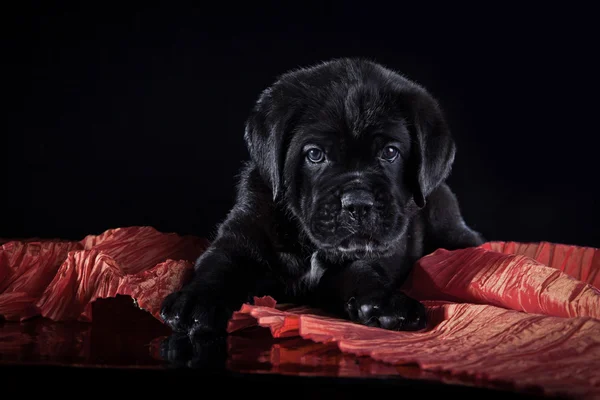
x,y
198,351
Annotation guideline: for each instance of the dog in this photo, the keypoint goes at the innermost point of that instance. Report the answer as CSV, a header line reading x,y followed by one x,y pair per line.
x,y
344,191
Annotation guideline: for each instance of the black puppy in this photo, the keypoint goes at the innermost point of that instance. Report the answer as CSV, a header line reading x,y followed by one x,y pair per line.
x,y
343,193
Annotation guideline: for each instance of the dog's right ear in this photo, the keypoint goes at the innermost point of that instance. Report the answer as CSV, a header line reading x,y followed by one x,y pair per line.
x,y
264,139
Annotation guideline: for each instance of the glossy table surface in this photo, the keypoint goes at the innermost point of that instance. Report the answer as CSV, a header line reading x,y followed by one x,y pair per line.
x,y
126,348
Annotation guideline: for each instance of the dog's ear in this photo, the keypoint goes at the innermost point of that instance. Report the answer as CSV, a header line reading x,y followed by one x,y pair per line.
x,y
433,148
264,135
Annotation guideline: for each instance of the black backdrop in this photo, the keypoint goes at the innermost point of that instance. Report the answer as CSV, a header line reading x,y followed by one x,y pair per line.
x,y
118,117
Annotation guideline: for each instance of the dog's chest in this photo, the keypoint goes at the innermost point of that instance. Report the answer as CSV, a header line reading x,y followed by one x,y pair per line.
x,y
315,271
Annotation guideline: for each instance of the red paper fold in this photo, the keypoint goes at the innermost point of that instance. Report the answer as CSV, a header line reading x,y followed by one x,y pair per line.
x,y
511,281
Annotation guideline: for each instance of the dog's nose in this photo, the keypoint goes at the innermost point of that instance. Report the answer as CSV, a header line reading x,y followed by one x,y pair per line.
x,y
357,202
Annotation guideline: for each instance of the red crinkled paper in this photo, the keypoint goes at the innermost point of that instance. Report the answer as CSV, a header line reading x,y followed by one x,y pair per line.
x,y
526,314
60,280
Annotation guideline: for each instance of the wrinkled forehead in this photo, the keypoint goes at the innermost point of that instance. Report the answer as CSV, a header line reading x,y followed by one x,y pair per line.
x,y
357,110
358,113
352,127
351,119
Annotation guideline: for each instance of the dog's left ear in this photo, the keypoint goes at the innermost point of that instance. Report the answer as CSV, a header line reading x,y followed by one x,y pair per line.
x,y
264,136
433,148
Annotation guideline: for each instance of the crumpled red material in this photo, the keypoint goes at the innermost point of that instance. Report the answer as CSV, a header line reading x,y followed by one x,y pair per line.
x,y
522,314
60,279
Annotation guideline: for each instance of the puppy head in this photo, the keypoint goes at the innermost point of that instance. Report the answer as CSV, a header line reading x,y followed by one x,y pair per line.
x,y
352,149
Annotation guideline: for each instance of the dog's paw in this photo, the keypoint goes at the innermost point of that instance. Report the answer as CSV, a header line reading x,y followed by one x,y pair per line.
x,y
394,312
194,312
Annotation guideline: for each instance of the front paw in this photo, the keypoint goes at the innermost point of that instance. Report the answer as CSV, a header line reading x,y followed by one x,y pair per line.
x,y
394,312
194,312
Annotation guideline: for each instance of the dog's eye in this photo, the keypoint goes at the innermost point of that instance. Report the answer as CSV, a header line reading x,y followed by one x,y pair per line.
x,y
315,155
390,153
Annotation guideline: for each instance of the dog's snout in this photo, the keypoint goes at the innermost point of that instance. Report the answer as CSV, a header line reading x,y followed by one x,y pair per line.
x,y
357,202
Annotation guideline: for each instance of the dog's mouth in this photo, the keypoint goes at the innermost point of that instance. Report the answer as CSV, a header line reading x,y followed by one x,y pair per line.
x,y
359,244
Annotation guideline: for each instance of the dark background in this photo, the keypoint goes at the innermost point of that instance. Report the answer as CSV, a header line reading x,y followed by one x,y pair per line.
x,y
118,117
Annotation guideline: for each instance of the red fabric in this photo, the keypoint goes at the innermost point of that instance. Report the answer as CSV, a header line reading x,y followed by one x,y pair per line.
x,y
516,313
61,279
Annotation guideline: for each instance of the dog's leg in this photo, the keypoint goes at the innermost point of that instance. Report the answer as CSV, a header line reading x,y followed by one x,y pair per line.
x,y
226,274
445,227
224,277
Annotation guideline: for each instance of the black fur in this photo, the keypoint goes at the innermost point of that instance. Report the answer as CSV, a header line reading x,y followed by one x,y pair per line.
x,y
343,192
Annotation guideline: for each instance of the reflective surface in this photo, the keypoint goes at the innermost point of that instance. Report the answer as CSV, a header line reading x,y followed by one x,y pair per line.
x,y
122,336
